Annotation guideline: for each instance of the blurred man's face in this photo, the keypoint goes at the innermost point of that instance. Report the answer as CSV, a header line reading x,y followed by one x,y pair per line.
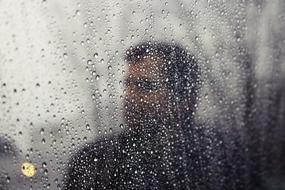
x,y
146,94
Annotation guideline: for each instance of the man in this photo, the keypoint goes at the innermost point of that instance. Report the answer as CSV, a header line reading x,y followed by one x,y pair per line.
x,y
161,147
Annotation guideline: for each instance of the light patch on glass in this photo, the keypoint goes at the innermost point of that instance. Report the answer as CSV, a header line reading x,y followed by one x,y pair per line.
x,y
28,169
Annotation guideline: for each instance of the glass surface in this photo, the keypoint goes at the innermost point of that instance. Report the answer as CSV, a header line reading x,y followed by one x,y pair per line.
x,y
142,94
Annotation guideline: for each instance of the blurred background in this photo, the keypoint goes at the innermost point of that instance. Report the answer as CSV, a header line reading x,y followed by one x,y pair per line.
x,y
62,68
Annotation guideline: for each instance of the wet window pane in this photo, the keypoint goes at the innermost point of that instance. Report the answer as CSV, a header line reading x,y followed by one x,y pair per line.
x,y
142,94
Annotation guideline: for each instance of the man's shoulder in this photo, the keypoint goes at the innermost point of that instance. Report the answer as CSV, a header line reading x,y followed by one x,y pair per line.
x,y
98,147
88,161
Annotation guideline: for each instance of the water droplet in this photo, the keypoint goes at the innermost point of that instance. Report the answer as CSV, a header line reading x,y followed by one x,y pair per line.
x,y
77,12
42,131
44,164
8,179
65,55
46,172
89,62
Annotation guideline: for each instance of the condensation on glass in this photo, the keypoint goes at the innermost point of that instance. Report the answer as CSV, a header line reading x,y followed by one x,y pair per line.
x,y
142,94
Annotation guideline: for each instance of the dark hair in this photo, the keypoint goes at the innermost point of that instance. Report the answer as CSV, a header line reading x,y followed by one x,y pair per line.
x,y
183,73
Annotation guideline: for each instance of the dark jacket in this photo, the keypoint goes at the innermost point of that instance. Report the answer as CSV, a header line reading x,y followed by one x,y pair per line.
x,y
149,159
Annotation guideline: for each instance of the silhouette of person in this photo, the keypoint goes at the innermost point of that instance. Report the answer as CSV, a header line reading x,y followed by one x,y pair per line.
x,y
161,146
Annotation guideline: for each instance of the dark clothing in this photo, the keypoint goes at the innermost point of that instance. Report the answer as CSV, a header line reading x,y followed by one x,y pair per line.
x,y
150,159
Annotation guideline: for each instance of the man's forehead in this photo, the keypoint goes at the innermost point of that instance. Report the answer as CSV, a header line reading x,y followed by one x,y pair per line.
x,y
148,66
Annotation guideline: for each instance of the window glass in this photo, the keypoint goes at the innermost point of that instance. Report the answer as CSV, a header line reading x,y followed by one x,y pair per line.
x,y
147,94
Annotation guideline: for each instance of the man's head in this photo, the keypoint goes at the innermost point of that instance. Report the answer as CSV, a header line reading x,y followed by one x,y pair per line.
x,y
162,79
